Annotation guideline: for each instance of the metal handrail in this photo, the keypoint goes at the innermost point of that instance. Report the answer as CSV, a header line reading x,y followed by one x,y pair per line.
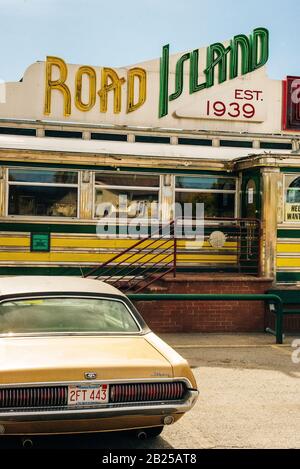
x,y
154,279
119,265
132,255
130,273
152,264
91,272
266,297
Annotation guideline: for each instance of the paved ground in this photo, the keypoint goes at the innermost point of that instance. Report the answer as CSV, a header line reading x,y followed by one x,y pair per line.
x,y
250,398
250,393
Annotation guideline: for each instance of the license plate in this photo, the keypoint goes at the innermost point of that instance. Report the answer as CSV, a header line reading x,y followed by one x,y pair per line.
x,y
93,394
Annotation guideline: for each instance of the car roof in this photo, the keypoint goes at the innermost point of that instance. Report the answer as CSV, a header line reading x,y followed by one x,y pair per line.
x,y
61,284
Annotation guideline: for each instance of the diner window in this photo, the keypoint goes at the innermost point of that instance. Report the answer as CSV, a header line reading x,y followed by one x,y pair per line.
x,y
126,195
292,198
293,189
218,194
43,193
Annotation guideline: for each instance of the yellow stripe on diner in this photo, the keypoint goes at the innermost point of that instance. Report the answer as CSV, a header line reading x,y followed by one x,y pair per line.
x,y
186,243
70,257
14,241
208,257
59,242
117,243
282,248
86,257
288,262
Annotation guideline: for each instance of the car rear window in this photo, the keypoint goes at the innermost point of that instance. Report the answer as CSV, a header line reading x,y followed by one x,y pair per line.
x,y
59,315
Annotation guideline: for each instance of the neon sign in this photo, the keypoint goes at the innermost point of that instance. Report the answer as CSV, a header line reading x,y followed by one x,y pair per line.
x,y
243,55
253,52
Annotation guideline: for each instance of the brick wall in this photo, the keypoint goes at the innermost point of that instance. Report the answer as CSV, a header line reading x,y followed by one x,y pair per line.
x,y
206,316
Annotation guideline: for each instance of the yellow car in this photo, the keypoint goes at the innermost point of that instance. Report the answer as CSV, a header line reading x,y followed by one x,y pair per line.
x,y
77,357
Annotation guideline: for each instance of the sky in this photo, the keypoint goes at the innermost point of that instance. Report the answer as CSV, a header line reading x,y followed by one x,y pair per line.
x,y
115,33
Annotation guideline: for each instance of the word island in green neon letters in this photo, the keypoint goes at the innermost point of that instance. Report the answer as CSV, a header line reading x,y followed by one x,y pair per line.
x,y
245,54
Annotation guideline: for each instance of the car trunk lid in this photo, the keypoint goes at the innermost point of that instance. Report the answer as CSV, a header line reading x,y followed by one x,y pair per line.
x,y
68,358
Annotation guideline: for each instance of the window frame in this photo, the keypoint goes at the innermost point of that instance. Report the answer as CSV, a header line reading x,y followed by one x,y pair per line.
x,y
134,188
211,191
42,184
285,188
10,298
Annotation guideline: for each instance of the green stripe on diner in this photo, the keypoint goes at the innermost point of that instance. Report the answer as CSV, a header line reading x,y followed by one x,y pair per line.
x,y
47,227
116,168
80,271
288,169
288,233
288,276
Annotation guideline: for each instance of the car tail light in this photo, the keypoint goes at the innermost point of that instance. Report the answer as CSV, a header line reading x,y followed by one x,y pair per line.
x,y
47,396
147,392
57,396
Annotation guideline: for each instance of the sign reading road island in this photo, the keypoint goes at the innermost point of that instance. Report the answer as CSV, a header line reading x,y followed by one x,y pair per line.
x,y
221,87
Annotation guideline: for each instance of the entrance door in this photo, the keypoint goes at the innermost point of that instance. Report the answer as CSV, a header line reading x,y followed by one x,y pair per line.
x,y
250,230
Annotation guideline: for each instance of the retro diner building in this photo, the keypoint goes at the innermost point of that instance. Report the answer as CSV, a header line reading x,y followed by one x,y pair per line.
x,y
207,126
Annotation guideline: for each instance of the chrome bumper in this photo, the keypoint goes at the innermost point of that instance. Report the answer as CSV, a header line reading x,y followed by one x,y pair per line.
x,y
112,410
